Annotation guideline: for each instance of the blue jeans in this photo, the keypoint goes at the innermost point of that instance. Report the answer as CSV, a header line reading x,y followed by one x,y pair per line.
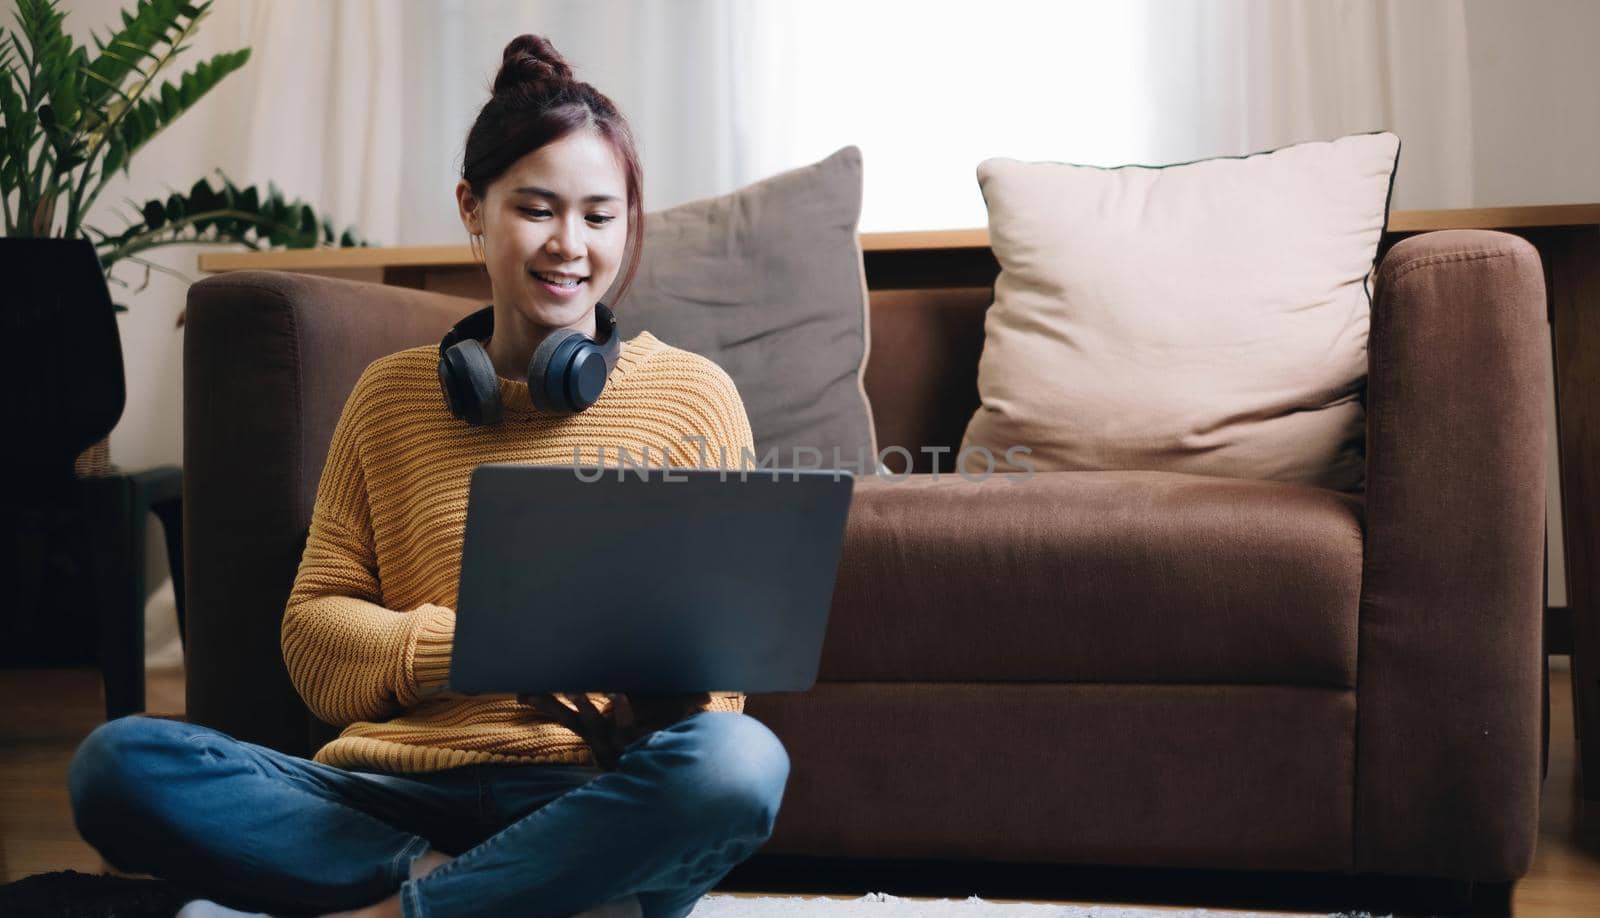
x,y
255,828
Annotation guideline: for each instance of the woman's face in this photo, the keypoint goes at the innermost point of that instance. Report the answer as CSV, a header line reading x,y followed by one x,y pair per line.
x,y
559,215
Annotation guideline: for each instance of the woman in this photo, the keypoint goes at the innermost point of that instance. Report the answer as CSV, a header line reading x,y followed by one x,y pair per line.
x,y
431,803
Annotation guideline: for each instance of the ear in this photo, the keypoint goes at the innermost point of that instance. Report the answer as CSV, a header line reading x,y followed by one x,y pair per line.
x,y
469,208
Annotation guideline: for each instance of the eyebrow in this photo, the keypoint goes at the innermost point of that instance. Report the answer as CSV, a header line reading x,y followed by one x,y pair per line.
x,y
547,193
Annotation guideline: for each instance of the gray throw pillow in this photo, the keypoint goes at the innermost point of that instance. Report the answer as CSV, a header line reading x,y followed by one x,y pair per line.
x,y
768,283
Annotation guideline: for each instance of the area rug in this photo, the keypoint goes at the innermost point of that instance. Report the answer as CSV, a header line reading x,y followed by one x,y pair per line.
x,y
70,894
882,905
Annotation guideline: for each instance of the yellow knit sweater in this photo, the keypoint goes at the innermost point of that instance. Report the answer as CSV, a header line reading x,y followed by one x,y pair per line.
x,y
369,624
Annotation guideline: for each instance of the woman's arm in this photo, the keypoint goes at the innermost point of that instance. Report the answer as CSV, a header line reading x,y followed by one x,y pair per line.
x,y
349,657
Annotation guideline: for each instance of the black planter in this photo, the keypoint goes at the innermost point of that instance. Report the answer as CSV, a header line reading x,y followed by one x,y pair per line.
x,y
66,393
68,390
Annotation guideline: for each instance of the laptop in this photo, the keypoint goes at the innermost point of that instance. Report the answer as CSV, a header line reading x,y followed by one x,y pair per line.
x,y
650,581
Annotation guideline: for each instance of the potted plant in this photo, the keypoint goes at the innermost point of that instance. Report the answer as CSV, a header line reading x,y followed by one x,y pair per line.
x,y
69,119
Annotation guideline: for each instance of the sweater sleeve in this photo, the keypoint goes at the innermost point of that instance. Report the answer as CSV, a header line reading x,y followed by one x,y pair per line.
x,y
349,657
722,421
720,425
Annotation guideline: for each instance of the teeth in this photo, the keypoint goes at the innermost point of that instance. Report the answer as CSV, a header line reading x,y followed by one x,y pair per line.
x,y
559,283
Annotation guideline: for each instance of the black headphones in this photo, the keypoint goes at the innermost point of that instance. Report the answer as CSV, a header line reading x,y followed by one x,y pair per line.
x,y
566,374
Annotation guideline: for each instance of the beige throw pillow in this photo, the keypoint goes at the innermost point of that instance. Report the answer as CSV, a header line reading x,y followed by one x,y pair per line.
x,y
1209,317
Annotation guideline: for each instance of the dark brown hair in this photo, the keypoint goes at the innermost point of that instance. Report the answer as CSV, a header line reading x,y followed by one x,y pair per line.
x,y
536,101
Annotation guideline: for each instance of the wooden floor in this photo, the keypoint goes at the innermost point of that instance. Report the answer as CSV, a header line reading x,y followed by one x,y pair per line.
x,y
1565,878
47,712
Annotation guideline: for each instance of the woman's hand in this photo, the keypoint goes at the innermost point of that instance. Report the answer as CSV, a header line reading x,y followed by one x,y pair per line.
x,y
627,720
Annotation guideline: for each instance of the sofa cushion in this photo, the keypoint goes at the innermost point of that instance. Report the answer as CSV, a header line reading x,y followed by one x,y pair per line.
x,y
1124,576
1209,317
768,282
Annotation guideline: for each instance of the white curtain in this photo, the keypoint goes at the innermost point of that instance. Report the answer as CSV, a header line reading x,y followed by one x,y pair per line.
x,y
1244,75
928,89
362,106
393,88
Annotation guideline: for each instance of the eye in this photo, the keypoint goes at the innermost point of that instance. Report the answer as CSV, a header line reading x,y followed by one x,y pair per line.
x,y
601,219
535,211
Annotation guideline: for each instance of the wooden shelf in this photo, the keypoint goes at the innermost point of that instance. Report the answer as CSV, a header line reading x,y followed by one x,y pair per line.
x,y
1497,218
404,256
460,256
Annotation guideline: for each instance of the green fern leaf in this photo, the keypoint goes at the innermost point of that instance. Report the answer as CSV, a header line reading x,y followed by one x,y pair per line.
x,y
153,23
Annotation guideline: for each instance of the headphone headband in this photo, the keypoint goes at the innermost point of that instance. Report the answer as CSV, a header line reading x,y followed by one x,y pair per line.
x,y
480,325
611,345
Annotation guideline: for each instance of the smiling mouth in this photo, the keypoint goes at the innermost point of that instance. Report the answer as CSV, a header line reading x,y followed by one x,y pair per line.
x,y
558,280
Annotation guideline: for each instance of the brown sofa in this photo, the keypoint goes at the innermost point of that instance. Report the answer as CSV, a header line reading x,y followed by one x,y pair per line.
x,y
1115,667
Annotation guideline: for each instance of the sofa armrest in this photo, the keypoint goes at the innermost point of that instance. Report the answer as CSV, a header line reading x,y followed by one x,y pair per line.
x,y
1448,671
269,359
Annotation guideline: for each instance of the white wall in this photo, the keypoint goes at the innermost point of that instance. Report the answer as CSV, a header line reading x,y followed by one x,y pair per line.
x,y
1535,101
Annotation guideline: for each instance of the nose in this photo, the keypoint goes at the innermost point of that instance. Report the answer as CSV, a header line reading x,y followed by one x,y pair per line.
x,y
566,241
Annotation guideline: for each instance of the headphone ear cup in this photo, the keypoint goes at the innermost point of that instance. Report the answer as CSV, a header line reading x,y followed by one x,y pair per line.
x,y
547,393
470,384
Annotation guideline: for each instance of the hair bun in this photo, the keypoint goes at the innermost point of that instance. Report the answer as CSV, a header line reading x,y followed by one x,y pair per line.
x,y
531,64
